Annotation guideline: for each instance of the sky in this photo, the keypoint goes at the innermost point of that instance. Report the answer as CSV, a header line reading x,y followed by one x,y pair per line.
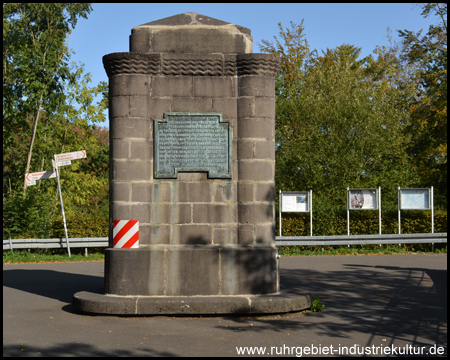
x,y
364,25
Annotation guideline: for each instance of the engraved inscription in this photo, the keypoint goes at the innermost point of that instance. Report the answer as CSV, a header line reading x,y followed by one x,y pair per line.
x,y
192,142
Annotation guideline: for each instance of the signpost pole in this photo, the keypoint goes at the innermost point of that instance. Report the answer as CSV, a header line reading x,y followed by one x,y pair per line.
x,y
279,208
310,210
62,206
348,214
399,205
432,215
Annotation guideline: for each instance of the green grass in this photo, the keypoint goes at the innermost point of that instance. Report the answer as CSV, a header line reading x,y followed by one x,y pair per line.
x,y
51,255
358,250
97,254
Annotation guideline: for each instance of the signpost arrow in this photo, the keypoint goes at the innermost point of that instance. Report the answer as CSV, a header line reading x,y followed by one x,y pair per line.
x,y
40,175
71,156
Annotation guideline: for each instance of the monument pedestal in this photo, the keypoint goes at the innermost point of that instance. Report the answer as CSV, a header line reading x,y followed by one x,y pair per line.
x,y
192,159
92,303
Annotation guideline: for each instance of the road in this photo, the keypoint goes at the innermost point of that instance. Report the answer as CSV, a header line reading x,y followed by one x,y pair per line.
x,y
381,304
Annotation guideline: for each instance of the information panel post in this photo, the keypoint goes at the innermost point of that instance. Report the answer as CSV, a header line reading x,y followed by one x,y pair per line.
x,y
296,201
363,199
415,199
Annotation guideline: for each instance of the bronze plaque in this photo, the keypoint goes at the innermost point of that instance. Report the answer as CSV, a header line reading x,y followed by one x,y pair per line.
x,y
192,142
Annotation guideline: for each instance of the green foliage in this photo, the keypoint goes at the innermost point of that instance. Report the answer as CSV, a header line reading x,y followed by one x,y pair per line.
x,y
27,218
81,226
316,305
50,107
362,222
428,53
339,123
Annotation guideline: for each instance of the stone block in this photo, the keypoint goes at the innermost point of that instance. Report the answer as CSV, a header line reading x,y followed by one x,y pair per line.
x,y
131,170
121,211
194,192
160,234
192,270
245,192
162,213
144,234
246,234
223,191
249,270
185,104
122,128
184,213
246,149
245,107
226,106
120,149
141,192
265,192
256,86
129,85
120,191
156,107
265,234
256,170
172,86
256,128
264,149
192,234
217,87
206,36
141,150
212,213
255,213
138,106
225,235
162,191
265,107
119,270
140,212
119,106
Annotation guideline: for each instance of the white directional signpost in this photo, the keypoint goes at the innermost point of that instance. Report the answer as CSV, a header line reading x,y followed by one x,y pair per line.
x,y
61,160
32,177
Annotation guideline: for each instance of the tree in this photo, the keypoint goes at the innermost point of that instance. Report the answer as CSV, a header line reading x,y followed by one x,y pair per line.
x,y
63,119
35,62
339,124
429,111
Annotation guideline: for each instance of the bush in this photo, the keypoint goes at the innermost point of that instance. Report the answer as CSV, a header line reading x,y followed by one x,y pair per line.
x,y
81,226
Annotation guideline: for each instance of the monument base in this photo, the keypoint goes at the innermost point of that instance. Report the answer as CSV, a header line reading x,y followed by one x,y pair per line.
x,y
101,304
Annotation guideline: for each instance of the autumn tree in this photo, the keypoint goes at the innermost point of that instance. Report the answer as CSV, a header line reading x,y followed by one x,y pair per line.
x,y
35,64
339,122
49,107
428,52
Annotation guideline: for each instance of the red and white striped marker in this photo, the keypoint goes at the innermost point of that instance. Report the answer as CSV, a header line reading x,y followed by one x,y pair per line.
x,y
125,234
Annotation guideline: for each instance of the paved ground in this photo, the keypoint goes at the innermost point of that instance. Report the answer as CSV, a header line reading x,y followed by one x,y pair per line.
x,y
373,304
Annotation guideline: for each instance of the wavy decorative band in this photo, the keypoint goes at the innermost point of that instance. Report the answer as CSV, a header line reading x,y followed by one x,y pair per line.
x,y
156,64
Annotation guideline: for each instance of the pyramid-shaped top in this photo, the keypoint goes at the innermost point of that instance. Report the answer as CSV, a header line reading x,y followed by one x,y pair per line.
x,y
190,33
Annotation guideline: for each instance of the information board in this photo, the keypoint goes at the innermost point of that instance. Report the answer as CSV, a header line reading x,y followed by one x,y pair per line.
x,y
295,201
414,199
362,199
192,142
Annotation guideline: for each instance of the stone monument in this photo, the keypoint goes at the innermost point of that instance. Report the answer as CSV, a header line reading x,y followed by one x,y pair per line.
x,y
192,159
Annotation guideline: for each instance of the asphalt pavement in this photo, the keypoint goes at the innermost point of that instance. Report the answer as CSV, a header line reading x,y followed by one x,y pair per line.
x,y
384,305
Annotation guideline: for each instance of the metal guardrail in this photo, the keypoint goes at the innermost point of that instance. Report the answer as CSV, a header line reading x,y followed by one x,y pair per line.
x,y
361,239
60,243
